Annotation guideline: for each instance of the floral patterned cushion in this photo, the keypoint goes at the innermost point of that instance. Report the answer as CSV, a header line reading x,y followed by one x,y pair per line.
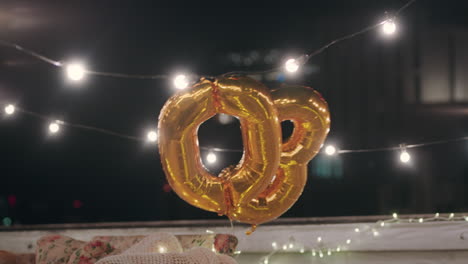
x,y
56,249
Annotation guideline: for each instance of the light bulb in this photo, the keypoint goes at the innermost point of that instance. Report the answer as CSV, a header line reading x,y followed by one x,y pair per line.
x,y
348,241
274,245
356,230
389,27
291,65
54,127
211,158
319,239
162,249
285,247
9,109
181,82
375,233
75,71
330,150
395,216
152,136
302,250
405,156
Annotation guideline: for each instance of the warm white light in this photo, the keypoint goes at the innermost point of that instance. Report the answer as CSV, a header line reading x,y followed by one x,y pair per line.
x,y
375,233
437,215
321,254
348,241
181,82
210,231
291,65
452,215
313,253
162,249
54,127
302,250
152,136
405,156
9,109
338,249
319,239
466,218
291,245
421,220
382,224
389,27
265,261
75,71
330,150
356,230
285,247
395,216
329,252
211,158
274,245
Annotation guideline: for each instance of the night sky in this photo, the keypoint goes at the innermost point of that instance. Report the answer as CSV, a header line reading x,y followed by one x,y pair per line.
x,y
84,176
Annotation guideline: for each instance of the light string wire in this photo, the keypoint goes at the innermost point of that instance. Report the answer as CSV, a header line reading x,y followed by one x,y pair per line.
x,y
323,249
302,60
217,149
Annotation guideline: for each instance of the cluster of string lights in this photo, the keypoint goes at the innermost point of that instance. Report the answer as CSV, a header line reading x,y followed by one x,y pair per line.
x,y
77,72
322,249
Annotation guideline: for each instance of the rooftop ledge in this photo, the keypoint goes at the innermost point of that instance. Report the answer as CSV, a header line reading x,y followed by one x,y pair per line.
x,y
316,232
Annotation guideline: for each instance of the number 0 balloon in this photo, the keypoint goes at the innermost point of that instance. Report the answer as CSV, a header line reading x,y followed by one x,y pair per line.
x,y
271,175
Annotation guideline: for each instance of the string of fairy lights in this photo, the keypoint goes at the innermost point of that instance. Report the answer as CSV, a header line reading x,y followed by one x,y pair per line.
x,y
77,72
323,249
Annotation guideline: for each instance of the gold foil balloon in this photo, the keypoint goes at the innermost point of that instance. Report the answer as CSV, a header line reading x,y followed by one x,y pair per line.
x,y
309,113
270,176
179,121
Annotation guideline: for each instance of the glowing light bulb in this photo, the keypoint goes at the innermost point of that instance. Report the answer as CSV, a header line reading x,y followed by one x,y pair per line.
x,y
375,233
181,82
329,252
319,239
54,127
302,250
314,253
162,249
9,109
75,71
437,215
452,215
348,241
291,65
382,224
285,247
338,249
405,156
321,254
356,230
395,216
330,150
389,27
291,245
420,220
152,136
274,245
211,158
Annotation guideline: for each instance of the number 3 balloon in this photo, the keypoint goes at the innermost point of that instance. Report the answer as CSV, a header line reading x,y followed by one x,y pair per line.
x,y
270,176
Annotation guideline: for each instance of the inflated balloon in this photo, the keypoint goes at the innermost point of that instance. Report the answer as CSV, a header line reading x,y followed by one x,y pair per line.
x,y
309,113
179,121
270,176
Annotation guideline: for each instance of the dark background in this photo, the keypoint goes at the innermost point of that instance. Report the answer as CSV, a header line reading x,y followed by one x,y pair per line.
x,y
382,92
